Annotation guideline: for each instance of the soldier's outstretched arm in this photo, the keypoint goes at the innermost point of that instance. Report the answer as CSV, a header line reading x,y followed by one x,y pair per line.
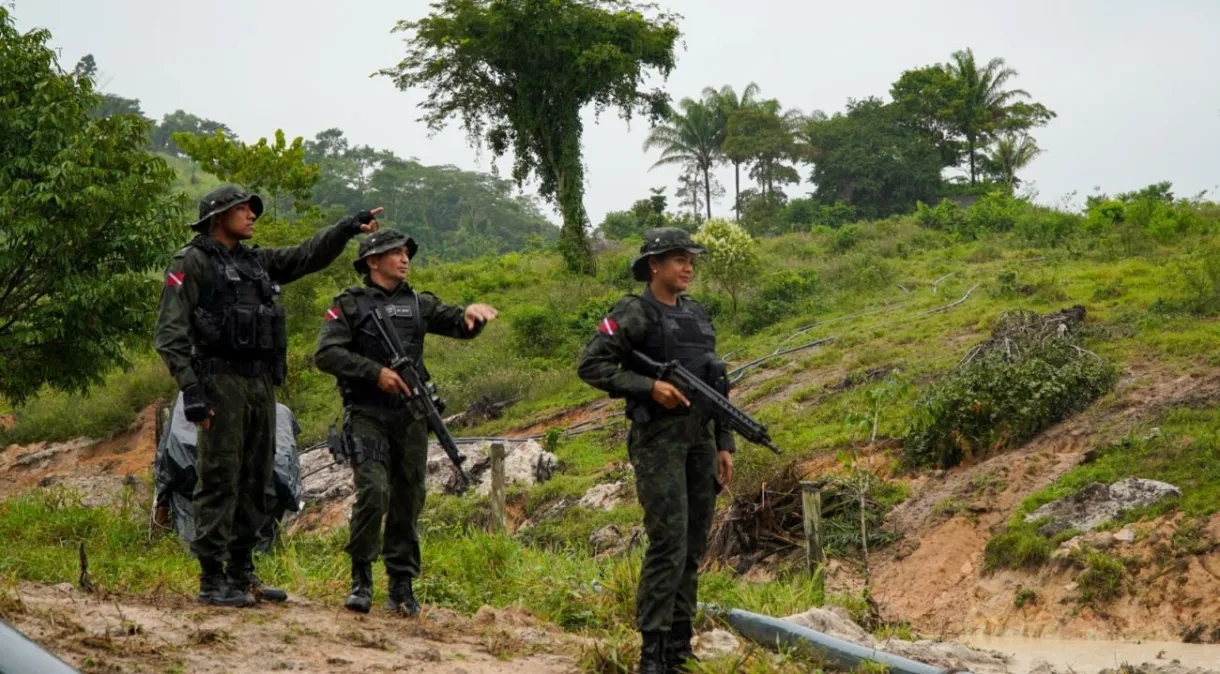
x,y
601,365
333,356
446,319
285,265
179,297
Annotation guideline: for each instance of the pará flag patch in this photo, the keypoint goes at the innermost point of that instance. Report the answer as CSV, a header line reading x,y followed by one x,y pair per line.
x,y
607,326
174,279
332,313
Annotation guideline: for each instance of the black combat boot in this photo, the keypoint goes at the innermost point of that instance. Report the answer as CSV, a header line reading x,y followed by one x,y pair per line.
x,y
652,653
402,598
677,646
361,597
215,589
241,575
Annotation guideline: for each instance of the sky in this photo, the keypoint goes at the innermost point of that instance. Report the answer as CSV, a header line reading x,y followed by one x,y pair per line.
x,y
1133,82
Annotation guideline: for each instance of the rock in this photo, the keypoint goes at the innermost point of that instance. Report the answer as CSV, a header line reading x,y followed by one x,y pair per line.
x,y
486,615
42,456
1098,503
524,462
604,496
715,643
1126,535
610,540
1100,540
1040,666
834,623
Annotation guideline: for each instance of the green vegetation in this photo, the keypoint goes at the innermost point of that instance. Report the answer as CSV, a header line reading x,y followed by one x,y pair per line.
x,y
1103,579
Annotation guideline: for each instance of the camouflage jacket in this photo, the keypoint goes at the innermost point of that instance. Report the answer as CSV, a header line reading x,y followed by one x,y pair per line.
x,y
622,330
336,354
191,275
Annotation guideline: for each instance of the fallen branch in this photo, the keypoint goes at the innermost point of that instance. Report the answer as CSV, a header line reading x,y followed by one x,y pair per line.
x,y
936,284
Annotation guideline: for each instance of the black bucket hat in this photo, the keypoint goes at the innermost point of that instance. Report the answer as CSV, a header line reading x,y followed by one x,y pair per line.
x,y
222,199
659,242
382,241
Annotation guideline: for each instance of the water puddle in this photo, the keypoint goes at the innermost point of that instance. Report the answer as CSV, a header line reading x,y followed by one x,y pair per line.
x,y
1089,657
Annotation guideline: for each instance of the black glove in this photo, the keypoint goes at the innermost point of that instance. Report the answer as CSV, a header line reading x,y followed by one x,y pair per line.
x,y
352,224
365,217
193,405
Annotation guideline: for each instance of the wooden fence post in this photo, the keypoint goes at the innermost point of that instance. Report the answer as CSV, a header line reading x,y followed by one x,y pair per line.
x,y
811,504
499,522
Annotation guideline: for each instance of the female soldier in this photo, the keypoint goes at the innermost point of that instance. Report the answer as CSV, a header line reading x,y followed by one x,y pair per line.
x,y
678,451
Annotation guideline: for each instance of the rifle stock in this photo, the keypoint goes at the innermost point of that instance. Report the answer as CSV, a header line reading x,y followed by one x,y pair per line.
x,y
728,413
420,401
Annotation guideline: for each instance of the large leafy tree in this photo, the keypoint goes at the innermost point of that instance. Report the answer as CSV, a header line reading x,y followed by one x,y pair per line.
x,y
518,74
690,137
163,137
727,102
866,159
86,217
1010,154
766,136
277,168
967,106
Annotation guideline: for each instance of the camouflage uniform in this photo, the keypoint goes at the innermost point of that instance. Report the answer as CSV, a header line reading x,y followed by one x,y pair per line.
x,y
388,446
224,340
673,452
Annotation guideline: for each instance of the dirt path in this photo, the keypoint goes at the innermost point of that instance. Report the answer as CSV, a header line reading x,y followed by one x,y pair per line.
x,y
174,634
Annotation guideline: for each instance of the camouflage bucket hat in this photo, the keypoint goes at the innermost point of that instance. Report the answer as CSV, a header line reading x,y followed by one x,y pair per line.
x,y
222,199
383,241
658,242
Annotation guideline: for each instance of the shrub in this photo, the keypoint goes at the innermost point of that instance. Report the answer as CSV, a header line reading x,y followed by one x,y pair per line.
x,y
1201,278
732,261
1102,579
857,271
1018,547
845,238
777,299
946,216
1018,384
538,331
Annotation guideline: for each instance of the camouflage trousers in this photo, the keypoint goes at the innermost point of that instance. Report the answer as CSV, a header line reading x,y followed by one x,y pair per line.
x,y
675,470
236,455
392,449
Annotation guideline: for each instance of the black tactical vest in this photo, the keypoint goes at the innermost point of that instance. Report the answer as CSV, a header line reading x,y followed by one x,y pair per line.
x,y
404,315
685,336
238,326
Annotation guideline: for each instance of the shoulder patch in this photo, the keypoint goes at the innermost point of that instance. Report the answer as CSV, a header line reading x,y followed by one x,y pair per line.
x,y
332,313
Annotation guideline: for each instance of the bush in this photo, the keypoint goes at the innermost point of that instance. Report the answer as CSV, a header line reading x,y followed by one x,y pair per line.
x,y
1003,397
732,260
1201,277
845,238
857,271
1019,547
996,212
946,216
538,331
777,300
1102,579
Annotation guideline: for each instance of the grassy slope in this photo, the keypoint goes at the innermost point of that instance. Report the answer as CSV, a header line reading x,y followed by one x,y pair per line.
x,y
800,396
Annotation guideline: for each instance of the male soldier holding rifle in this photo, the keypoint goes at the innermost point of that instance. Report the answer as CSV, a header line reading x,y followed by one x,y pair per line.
x,y
224,340
388,440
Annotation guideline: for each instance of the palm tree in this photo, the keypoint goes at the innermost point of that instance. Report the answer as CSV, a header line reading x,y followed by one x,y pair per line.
x,y
985,102
1011,154
689,137
726,102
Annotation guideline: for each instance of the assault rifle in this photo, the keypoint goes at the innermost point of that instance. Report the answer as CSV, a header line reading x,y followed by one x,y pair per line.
x,y
423,401
697,389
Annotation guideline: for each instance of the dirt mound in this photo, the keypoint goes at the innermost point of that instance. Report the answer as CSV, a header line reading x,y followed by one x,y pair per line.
x,y
932,577
97,469
175,634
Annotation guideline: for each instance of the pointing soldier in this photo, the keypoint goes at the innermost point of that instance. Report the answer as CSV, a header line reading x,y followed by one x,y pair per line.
x,y
223,338
388,446
679,452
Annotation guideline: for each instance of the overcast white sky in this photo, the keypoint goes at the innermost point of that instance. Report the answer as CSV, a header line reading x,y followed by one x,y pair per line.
x,y
1133,81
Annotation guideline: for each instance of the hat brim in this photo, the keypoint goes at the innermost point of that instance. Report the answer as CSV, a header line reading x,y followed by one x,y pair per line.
x,y
639,266
256,206
361,266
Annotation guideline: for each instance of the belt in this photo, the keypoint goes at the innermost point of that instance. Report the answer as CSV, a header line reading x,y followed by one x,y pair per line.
x,y
241,368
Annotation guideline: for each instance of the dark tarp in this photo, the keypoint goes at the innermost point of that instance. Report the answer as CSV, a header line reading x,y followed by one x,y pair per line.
x,y
175,473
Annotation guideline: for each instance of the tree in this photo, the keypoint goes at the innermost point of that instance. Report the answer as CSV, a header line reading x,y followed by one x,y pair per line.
x,y
181,121
868,160
765,135
644,214
518,73
87,216
1011,154
278,168
962,101
726,102
732,261
689,138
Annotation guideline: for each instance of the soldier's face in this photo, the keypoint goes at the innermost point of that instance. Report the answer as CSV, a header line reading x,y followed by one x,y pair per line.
x,y
674,270
238,222
392,264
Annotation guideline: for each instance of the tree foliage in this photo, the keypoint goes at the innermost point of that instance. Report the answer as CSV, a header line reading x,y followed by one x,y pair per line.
x,y
966,106
865,159
732,261
87,214
278,168
690,137
726,102
518,73
1010,154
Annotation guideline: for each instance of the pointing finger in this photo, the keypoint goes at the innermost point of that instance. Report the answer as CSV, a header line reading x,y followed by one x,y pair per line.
x,y
377,211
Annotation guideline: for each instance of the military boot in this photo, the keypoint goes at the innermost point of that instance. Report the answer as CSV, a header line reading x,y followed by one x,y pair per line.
x,y
241,575
361,597
215,589
652,653
677,646
402,598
